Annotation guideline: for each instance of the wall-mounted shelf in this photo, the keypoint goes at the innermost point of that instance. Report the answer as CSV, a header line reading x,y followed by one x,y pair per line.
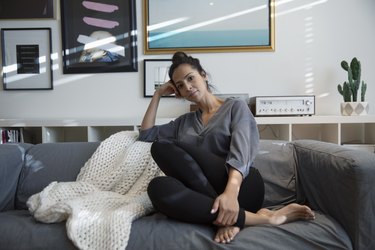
x,y
335,129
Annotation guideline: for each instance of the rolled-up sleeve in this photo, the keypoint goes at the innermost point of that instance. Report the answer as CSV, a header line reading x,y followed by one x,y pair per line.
x,y
244,140
157,132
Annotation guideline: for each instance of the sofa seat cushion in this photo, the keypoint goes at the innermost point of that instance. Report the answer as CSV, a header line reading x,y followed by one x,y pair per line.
x,y
156,232
19,230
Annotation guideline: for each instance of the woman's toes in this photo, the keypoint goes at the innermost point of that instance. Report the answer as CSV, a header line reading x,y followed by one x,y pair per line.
x,y
226,234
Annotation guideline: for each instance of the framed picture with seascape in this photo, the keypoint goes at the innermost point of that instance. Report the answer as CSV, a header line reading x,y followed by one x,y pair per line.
x,y
99,36
208,26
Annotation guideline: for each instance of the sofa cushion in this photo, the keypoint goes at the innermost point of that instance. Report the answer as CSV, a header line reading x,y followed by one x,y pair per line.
x,y
11,158
277,165
158,232
49,162
19,230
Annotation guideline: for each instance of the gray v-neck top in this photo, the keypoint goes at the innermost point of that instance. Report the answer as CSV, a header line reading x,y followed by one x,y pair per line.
x,y
231,133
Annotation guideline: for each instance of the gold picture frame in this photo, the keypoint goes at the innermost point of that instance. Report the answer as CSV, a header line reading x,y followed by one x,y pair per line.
x,y
208,26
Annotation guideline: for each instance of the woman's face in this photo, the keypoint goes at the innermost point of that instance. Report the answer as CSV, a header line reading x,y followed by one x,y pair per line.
x,y
190,84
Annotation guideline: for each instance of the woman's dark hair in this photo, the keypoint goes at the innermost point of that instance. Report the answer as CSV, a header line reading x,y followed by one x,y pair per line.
x,y
182,58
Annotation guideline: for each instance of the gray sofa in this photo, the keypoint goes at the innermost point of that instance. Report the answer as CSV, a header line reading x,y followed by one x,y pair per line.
x,y
338,184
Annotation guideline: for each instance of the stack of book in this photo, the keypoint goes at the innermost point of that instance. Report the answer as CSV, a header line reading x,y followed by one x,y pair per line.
x,y
10,135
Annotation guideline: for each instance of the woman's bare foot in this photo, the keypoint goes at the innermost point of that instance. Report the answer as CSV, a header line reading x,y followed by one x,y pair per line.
x,y
289,213
226,234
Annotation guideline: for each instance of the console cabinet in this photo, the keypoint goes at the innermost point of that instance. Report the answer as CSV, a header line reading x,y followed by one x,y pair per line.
x,y
343,130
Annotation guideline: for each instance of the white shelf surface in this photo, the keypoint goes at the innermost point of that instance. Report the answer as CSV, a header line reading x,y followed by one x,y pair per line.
x,y
75,122
335,129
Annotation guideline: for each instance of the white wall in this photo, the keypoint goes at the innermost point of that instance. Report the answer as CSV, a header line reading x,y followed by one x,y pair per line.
x,y
312,37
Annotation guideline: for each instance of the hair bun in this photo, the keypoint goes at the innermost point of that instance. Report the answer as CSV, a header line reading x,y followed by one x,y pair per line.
x,y
179,57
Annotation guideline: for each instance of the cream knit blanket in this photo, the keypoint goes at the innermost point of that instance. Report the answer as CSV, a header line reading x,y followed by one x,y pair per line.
x,y
109,193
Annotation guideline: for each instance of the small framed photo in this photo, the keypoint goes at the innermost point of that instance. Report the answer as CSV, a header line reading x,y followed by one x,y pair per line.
x,y
155,74
26,58
99,36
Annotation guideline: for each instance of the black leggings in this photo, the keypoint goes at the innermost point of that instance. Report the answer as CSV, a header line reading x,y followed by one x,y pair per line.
x,y
193,180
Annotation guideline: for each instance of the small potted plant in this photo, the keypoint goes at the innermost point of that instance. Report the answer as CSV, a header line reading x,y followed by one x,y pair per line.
x,y
349,90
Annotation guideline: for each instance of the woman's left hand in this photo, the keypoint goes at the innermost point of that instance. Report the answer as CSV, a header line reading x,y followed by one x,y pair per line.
x,y
227,203
228,208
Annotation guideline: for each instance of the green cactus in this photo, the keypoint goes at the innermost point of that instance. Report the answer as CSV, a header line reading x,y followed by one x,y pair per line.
x,y
345,91
354,81
363,91
345,65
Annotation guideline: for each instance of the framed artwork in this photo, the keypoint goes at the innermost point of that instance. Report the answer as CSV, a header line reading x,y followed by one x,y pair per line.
x,y
155,74
26,58
208,26
99,36
26,9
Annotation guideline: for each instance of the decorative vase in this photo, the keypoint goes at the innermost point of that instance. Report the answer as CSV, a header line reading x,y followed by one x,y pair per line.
x,y
354,108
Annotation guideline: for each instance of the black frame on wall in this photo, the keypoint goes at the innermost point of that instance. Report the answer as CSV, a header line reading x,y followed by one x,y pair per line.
x,y
99,37
26,59
26,9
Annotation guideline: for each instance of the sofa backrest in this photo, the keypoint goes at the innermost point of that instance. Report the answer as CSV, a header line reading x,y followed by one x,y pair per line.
x,y
276,163
49,162
339,182
11,162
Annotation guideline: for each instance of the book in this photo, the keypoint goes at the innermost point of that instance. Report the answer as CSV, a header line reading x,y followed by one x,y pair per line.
x,y
10,135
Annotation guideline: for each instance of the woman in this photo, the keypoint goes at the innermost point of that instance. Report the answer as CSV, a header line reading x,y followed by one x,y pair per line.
x,y
207,158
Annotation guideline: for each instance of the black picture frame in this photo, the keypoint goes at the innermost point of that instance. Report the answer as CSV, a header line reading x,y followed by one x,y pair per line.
x,y
26,59
27,9
99,37
155,74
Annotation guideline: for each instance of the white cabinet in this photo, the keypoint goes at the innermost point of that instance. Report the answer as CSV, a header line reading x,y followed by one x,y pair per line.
x,y
346,130
334,129
44,131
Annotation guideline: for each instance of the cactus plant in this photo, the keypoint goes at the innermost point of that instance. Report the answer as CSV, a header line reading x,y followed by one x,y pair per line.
x,y
345,91
363,91
349,89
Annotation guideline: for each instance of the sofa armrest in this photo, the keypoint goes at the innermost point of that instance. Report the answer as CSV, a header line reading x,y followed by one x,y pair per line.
x,y
11,161
341,183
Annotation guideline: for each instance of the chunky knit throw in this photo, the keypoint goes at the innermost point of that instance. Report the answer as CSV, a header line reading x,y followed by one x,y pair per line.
x,y
109,193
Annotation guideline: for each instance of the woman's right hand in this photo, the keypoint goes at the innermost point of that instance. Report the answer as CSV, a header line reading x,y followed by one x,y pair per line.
x,y
167,89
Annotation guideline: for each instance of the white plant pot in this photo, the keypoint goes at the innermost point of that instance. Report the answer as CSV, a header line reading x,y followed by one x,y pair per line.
x,y
354,108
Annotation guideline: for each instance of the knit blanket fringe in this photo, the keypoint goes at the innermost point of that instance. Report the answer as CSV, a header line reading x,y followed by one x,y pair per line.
x,y
107,196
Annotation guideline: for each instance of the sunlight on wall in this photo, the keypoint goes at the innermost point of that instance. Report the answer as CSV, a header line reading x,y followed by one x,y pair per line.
x,y
55,61
309,66
71,79
302,7
309,41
